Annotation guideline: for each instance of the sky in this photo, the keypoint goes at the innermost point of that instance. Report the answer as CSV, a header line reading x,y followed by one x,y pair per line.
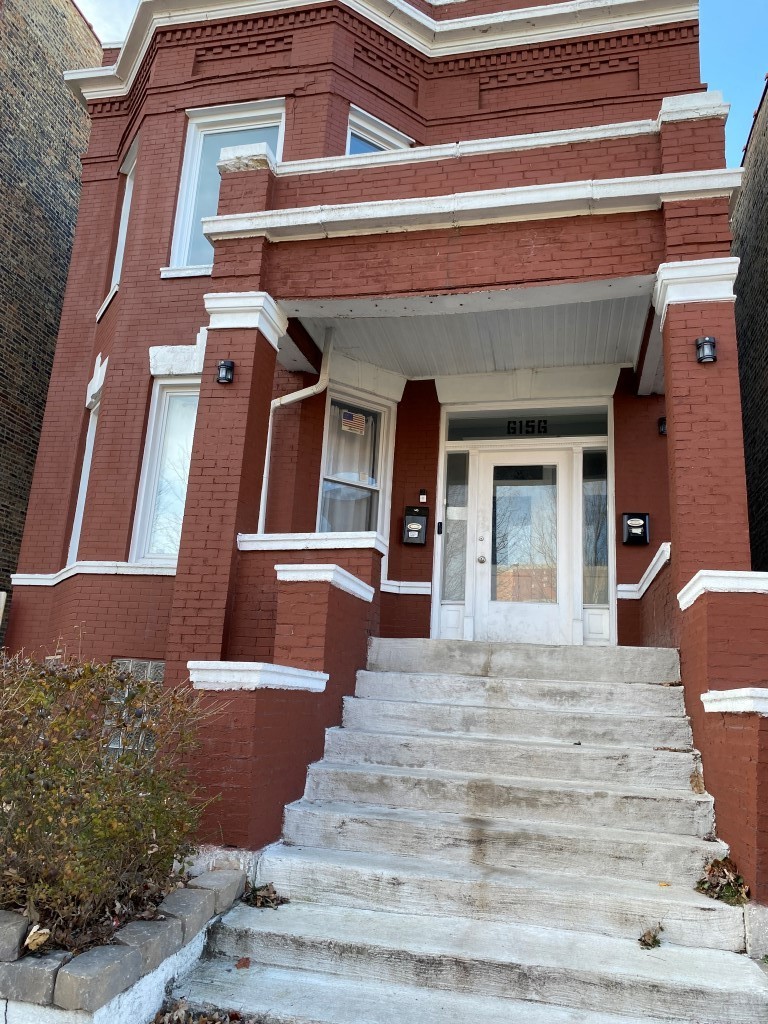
x,y
734,53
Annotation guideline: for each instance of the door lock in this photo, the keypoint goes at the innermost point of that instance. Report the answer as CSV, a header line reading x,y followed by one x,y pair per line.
x,y
481,559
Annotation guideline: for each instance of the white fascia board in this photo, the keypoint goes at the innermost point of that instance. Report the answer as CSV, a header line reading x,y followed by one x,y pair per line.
x,y
254,310
722,581
504,29
597,381
333,574
253,675
310,541
490,206
695,281
50,579
178,360
751,700
635,591
406,587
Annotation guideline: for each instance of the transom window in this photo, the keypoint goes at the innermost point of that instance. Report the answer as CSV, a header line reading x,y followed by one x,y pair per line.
x,y
367,134
351,489
165,472
211,130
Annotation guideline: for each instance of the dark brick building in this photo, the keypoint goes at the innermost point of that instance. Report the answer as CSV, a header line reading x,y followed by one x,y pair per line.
x,y
44,132
750,243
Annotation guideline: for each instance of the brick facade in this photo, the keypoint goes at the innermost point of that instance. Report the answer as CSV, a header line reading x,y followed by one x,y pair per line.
x,y
750,225
45,131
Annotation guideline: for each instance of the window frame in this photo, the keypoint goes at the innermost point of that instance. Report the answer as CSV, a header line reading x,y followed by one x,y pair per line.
x,y
128,168
204,121
82,487
374,131
162,389
387,412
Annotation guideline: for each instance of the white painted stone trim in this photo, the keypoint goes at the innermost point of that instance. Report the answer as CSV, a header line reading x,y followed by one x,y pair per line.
x,y
460,209
96,383
253,675
50,579
257,156
105,304
722,581
694,106
749,701
333,574
406,587
178,360
503,29
310,541
375,131
695,281
634,591
3,599
204,270
256,310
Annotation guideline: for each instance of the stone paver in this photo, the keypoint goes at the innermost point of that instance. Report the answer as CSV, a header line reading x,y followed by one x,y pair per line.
x,y
93,978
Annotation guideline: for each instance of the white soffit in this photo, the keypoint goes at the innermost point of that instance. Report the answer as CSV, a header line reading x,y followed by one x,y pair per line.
x,y
433,38
601,332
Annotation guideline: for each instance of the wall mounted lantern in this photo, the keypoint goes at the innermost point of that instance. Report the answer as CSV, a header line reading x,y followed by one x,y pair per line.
x,y
706,350
663,426
225,372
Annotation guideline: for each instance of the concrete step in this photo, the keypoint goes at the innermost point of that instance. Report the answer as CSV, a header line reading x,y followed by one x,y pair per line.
x,y
308,997
568,727
534,758
545,695
505,798
526,661
486,958
578,848
602,906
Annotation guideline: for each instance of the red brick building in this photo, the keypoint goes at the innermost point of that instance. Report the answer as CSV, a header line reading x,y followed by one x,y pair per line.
x,y
454,257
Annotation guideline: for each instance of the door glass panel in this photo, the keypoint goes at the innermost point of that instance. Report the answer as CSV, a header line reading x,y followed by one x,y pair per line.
x,y
524,551
455,527
595,499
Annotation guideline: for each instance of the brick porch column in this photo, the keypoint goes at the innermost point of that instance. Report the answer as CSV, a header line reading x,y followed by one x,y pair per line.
x,y
225,472
707,484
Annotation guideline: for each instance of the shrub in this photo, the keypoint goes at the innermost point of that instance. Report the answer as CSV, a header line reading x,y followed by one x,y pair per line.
x,y
97,813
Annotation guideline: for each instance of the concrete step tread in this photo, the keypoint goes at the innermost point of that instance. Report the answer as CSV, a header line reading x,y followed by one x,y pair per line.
x,y
485,682
470,874
585,788
713,972
306,997
556,831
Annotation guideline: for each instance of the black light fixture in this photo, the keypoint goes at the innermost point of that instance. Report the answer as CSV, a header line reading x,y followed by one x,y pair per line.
x,y
663,426
225,371
706,350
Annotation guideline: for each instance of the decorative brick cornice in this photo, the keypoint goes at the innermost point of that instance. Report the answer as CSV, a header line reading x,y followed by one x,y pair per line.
x,y
433,38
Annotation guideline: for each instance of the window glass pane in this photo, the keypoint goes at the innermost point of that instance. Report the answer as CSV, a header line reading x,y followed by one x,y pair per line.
x,y
524,552
346,509
357,144
353,441
455,527
173,460
595,497
208,182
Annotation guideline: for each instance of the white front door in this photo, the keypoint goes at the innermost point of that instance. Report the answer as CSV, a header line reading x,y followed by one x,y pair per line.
x,y
523,571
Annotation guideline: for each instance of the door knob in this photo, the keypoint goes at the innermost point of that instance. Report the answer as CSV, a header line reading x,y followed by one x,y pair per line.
x,y
481,559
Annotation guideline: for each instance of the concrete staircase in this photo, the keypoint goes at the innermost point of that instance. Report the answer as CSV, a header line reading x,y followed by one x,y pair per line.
x,y
486,839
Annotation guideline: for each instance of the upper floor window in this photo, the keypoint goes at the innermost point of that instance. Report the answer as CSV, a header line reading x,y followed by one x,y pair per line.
x,y
165,472
367,134
129,170
210,130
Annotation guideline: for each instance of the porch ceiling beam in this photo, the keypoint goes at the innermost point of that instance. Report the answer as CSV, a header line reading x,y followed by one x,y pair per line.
x,y
464,209
433,38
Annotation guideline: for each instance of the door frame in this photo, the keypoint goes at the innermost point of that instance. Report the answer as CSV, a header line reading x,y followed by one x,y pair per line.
x,y
510,446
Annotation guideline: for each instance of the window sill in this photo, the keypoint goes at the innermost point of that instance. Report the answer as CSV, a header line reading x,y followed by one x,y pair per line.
x,y
105,304
310,541
201,271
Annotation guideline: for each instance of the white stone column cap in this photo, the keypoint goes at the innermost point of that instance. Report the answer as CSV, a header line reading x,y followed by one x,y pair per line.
x,y
752,700
693,106
255,310
695,281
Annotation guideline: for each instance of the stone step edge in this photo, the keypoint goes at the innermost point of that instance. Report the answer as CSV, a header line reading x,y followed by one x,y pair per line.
x,y
468,678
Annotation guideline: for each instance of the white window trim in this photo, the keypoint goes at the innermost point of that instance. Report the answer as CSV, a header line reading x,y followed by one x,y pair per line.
x,y
388,415
377,132
85,472
128,168
204,121
162,389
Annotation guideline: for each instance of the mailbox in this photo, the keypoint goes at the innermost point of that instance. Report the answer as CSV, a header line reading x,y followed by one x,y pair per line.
x,y
637,528
415,520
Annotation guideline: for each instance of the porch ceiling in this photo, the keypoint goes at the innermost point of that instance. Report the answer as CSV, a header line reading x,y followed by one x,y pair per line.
x,y
487,332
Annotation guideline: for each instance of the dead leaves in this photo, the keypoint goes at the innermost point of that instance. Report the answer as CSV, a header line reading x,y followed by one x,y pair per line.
x,y
36,937
180,1013
722,881
650,938
263,897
